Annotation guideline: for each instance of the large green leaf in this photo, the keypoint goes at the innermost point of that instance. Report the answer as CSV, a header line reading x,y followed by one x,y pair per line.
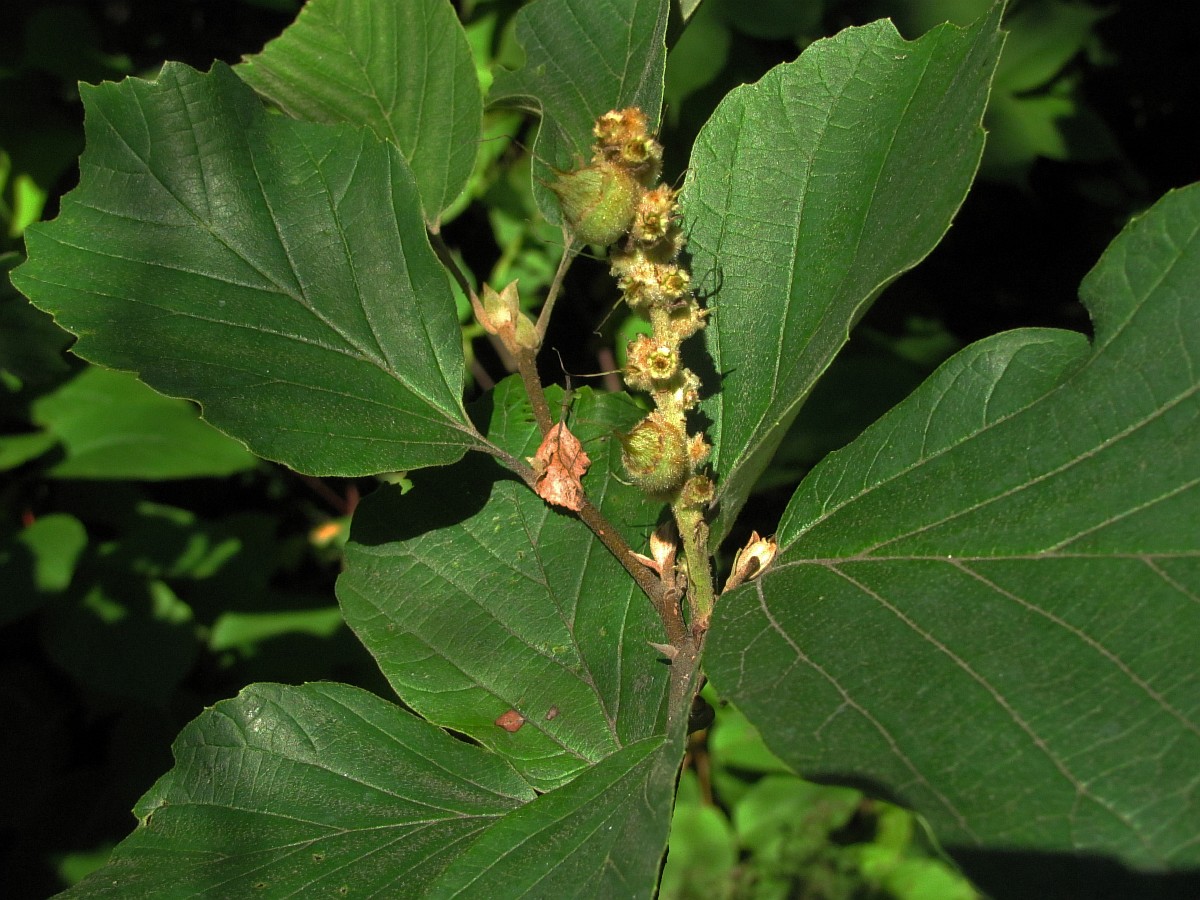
x,y
327,790
113,426
318,788
477,598
987,604
276,271
583,58
601,835
402,69
807,193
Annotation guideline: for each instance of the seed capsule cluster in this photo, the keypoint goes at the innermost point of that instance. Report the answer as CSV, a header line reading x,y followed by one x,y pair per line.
x,y
614,201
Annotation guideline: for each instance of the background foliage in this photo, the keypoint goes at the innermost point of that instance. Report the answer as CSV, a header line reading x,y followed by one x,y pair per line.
x,y
147,583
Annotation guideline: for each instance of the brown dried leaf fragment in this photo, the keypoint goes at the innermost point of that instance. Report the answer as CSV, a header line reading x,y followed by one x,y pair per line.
x,y
559,465
511,721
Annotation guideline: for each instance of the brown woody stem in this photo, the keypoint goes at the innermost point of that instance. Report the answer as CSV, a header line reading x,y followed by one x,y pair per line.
x,y
664,603
527,366
652,587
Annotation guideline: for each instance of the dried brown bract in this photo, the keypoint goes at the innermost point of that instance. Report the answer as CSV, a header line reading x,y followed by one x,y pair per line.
x,y
558,466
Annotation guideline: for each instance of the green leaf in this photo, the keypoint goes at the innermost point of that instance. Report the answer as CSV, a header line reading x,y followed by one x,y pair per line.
x,y
238,630
18,449
987,603
782,816
31,345
772,20
1043,38
113,426
696,59
703,848
807,193
38,562
325,788
276,271
601,835
1036,109
477,598
404,70
582,58
317,788
127,638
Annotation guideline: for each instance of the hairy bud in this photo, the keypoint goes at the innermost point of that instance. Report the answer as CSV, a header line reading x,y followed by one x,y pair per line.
x,y
500,314
598,201
655,454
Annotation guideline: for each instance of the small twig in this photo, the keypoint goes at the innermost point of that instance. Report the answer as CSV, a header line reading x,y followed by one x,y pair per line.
x,y
663,601
481,376
608,365
341,505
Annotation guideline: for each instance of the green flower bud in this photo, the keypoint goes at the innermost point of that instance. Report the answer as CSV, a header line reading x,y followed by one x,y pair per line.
x,y
500,314
655,454
698,493
598,201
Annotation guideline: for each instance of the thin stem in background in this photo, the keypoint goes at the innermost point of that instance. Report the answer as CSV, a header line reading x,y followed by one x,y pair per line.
x,y
560,274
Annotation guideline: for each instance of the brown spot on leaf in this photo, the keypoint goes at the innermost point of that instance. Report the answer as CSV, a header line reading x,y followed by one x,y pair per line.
x,y
559,465
511,721
551,713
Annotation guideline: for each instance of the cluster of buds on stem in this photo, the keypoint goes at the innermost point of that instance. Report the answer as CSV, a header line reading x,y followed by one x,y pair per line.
x,y
615,201
600,200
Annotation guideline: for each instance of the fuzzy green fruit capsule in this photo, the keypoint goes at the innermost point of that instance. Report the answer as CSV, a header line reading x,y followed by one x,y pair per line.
x,y
655,454
598,201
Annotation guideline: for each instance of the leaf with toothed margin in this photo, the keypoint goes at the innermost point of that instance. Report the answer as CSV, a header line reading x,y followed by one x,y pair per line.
x,y
807,193
404,70
477,598
989,604
326,790
278,272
